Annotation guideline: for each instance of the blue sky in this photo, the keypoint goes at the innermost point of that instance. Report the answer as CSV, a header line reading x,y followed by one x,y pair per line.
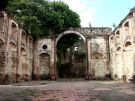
x,y
101,13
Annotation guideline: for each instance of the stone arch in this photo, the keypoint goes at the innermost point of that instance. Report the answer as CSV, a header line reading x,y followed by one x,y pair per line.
x,y
79,62
44,68
70,32
128,45
14,30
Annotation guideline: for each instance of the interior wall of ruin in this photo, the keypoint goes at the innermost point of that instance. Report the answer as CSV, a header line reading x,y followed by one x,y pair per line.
x,y
44,55
16,51
97,53
122,49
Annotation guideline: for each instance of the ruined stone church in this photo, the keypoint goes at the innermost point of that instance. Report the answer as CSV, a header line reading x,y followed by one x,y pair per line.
x,y
108,53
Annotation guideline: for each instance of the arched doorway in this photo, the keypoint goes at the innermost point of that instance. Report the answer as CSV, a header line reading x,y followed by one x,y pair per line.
x,y
71,55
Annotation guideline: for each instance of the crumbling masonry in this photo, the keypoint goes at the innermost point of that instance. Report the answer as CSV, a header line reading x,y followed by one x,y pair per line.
x,y
108,53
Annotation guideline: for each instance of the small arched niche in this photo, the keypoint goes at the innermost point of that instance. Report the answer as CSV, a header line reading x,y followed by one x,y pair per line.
x,y
117,32
12,46
23,51
128,45
126,26
1,19
23,35
118,48
1,15
14,29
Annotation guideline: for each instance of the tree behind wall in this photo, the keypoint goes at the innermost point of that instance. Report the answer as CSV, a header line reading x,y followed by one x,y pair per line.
x,y
42,18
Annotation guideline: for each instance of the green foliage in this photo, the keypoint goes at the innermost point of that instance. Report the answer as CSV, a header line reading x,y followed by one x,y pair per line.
x,y
42,18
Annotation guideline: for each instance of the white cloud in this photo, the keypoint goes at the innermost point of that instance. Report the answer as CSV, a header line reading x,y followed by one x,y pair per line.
x,y
83,8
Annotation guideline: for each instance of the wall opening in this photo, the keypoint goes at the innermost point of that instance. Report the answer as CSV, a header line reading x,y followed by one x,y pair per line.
x,y
44,68
128,44
71,55
126,27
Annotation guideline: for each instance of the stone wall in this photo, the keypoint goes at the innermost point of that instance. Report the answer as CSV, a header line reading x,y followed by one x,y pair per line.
x,y
44,59
98,57
16,51
122,48
23,59
96,40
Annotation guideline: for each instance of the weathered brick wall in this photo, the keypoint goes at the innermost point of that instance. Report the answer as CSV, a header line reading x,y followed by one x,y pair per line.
x,y
98,58
44,64
24,58
18,51
122,48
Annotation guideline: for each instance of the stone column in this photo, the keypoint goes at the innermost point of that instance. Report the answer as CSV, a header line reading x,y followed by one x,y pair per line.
x,y
53,74
107,55
89,69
